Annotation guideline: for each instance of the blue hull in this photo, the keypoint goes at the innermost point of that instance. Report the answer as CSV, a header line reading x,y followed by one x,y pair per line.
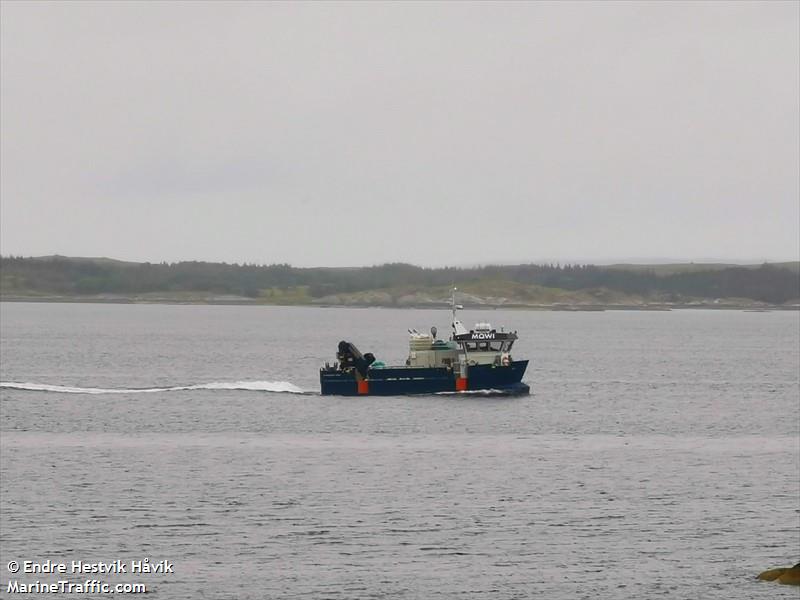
x,y
401,381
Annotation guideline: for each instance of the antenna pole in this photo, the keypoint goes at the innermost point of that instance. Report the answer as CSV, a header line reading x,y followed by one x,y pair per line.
x,y
453,302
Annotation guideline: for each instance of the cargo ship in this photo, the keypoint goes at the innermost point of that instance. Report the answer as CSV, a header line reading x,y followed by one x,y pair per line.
x,y
474,360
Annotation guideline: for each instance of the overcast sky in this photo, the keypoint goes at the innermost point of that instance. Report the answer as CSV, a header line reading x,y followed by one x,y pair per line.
x,y
351,134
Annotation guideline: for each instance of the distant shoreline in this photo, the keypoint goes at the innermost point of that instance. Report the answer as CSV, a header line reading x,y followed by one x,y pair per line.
x,y
653,307
400,285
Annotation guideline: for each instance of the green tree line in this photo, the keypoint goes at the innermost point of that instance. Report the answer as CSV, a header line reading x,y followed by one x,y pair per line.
x,y
69,276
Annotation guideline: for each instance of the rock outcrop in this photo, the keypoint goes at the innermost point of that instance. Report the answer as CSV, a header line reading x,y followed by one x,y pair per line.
x,y
785,575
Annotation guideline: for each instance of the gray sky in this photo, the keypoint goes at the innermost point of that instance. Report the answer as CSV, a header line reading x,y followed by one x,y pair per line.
x,y
351,134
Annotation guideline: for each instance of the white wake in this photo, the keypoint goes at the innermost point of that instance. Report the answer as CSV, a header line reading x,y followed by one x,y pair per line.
x,y
252,386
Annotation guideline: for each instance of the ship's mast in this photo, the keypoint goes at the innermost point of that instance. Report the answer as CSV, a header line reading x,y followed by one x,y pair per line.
x,y
458,328
453,303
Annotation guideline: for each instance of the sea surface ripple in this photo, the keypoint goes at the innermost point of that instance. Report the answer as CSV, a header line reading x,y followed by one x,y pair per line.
x,y
658,455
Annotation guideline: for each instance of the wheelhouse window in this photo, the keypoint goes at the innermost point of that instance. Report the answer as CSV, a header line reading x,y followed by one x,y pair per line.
x,y
488,346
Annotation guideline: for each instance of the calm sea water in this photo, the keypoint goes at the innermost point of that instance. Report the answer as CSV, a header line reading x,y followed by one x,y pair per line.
x,y
658,455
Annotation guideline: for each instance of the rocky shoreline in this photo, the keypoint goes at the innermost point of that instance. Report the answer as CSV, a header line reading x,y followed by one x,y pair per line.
x,y
415,303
